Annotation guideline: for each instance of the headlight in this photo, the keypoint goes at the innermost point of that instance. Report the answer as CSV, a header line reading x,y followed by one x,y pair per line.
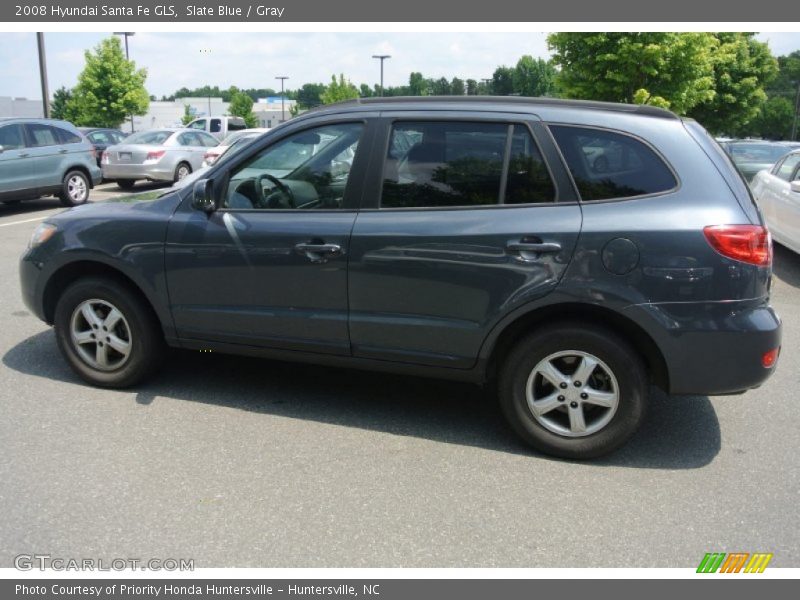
x,y
41,234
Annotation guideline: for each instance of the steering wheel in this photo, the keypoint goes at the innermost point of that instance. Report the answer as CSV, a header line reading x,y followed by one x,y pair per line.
x,y
282,188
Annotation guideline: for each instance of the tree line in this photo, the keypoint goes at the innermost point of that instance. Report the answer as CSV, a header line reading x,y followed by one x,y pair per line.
x,y
729,82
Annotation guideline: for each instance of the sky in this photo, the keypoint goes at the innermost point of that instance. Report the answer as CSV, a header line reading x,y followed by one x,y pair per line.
x,y
253,60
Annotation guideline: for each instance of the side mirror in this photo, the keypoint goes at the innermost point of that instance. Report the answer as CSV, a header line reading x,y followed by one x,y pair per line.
x,y
795,186
203,196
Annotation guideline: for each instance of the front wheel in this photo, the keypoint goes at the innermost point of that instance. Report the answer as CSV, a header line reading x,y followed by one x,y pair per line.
x,y
181,172
573,391
107,333
74,189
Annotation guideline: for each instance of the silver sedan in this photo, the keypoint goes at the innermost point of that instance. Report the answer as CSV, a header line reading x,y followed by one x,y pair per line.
x,y
156,155
777,192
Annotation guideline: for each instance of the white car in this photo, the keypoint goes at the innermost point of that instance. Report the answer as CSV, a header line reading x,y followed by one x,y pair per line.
x,y
777,192
243,134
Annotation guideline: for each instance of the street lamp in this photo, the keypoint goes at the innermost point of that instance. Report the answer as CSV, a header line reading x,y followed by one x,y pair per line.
x,y
43,75
126,35
382,57
283,114
207,51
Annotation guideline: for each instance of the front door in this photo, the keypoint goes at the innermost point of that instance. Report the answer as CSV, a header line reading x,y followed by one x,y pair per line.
x,y
16,165
269,267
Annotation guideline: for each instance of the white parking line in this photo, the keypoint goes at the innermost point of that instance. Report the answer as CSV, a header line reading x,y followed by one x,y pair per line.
x,y
25,221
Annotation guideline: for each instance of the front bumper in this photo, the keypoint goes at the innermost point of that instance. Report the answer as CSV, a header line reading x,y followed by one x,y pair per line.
x,y
713,348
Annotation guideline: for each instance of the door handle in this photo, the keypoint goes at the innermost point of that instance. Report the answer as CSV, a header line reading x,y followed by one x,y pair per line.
x,y
535,247
318,252
63,151
24,154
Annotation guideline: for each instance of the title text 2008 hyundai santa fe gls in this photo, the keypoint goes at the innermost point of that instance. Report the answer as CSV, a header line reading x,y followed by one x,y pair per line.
x,y
572,253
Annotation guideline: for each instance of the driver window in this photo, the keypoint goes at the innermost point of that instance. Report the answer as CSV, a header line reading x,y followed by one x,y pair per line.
x,y
307,170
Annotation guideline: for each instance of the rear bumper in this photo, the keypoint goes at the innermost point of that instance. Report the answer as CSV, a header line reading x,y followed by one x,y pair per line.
x,y
713,348
154,172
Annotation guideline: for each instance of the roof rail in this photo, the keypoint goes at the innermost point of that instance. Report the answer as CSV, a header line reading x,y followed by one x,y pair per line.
x,y
641,109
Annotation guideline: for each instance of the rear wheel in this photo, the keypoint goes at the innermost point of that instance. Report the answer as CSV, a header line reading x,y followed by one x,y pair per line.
x,y
181,171
573,390
126,184
74,189
107,333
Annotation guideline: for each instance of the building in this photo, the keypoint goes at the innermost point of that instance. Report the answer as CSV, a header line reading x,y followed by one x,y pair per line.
x,y
20,107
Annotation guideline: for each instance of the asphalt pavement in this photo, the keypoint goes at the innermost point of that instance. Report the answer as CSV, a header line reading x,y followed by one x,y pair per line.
x,y
242,462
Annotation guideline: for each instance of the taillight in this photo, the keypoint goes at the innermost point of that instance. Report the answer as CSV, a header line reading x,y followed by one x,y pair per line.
x,y
748,243
210,157
768,359
155,155
104,158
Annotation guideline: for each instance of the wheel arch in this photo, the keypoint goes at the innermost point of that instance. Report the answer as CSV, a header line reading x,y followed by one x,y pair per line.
x,y
82,169
70,272
502,341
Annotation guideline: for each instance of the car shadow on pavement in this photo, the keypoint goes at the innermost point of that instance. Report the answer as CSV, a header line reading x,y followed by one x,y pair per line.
x,y
786,265
679,432
25,207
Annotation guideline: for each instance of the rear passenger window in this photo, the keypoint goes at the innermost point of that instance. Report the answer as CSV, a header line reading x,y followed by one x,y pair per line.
x,y
608,165
438,164
43,135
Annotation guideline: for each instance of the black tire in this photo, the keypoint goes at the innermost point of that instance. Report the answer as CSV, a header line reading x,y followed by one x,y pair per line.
x,y
182,170
126,184
625,365
146,339
74,188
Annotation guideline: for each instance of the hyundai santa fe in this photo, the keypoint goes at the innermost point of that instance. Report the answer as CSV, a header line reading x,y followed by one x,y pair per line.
x,y
475,239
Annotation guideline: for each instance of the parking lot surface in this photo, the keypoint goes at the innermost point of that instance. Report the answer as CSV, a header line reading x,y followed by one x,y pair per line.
x,y
241,462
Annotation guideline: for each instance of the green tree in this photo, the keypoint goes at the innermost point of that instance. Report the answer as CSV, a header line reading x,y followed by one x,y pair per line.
x,y
742,67
472,87
110,89
502,83
417,84
63,106
534,77
241,105
774,120
339,90
457,87
310,94
674,70
188,115
365,91
440,87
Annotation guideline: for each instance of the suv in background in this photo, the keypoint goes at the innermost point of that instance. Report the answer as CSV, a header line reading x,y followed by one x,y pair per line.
x,y
475,239
44,156
219,127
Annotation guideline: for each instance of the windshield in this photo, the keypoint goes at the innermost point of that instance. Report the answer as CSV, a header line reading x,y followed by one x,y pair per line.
x,y
155,137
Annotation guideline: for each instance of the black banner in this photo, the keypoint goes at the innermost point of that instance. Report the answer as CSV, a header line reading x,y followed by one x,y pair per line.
x,y
198,11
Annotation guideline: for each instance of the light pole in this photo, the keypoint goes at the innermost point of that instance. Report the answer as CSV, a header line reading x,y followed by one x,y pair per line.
x,y
283,114
382,57
43,75
207,51
796,110
126,35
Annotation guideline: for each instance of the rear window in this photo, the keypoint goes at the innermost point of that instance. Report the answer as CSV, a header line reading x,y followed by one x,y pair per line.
x,y
462,164
607,165
155,137
42,135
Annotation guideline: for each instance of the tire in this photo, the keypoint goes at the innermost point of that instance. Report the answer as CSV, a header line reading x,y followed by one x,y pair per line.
x,y
137,326
74,189
618,381
182,170
126,184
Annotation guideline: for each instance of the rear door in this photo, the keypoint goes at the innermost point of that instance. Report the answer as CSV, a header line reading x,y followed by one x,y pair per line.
x,y
48,154
463,221
16,165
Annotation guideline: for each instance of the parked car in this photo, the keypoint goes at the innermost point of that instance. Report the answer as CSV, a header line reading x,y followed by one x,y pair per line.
x,y
156,155
752,156
219,127
101,138
39,157
236,137
481,247
777,192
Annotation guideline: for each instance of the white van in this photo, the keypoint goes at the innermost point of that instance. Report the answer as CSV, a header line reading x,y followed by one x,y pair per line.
x,y
219,127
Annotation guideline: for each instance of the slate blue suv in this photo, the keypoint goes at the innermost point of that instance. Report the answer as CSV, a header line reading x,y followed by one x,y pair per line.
x,y
570,253
39,157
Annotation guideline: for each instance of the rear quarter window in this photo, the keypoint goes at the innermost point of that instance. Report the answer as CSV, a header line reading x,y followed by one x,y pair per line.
x,y
68,137
608,165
